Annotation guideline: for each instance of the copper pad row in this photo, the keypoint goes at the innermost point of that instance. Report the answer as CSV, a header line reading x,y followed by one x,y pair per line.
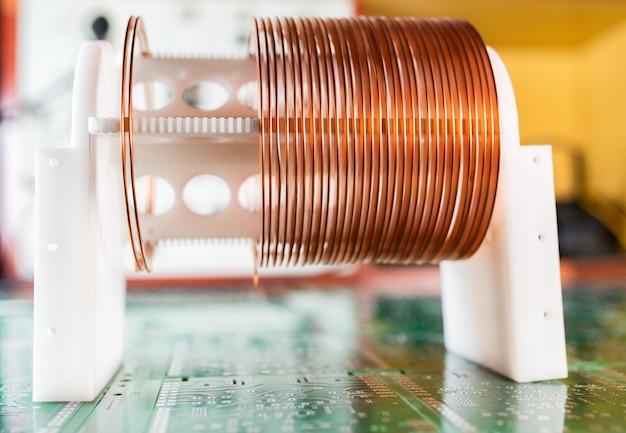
x,y
379,139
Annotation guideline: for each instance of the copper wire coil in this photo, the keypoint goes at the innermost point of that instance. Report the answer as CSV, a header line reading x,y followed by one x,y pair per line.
x,y
448,160
289,66
399,42
257,45
426,110
322,174
298,140
371,116
439,100
336,83
455,74
467,98
387,146
476,159
395,140
405,134
276,183
492,145
419,75
355,161
396,119
134,35
379,140
344,138
482,160
333,154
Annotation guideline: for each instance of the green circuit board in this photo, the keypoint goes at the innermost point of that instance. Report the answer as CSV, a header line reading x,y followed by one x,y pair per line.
x,y
315,361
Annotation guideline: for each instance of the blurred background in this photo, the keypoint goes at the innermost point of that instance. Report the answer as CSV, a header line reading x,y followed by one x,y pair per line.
x,y
565,58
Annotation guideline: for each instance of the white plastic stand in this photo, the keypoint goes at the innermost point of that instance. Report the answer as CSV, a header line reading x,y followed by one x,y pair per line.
x,y
79,281
502,308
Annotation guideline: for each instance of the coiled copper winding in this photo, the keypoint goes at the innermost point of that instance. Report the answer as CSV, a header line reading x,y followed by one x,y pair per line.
x,y
134,34
379,139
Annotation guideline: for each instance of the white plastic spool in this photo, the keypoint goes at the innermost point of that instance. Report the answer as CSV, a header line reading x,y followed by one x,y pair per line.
x,y
502,307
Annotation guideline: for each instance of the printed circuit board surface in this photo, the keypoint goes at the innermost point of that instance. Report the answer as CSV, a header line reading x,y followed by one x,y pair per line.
x,y
315,361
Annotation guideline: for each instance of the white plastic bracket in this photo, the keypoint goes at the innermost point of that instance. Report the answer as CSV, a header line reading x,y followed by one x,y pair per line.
x,y
502,307
79,281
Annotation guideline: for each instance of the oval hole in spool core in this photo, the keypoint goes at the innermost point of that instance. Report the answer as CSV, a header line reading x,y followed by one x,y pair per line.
x,y
248,95
206,194
151,95
249,194
157,189
206,95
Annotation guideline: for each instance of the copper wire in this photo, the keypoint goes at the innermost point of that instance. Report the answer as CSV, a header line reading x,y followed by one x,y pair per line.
x,y
456,80
426,118
492,139
467,129
297,138
134,34
328,137
276,183
289,66
317,141
482,154
389,149
259,46
437,140
395,139
404,136
345,166
345,108
420,74
385,148
353,137
447,143
379,140
365,150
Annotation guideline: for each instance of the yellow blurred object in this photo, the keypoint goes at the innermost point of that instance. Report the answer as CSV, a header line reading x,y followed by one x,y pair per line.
x,y
500,22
